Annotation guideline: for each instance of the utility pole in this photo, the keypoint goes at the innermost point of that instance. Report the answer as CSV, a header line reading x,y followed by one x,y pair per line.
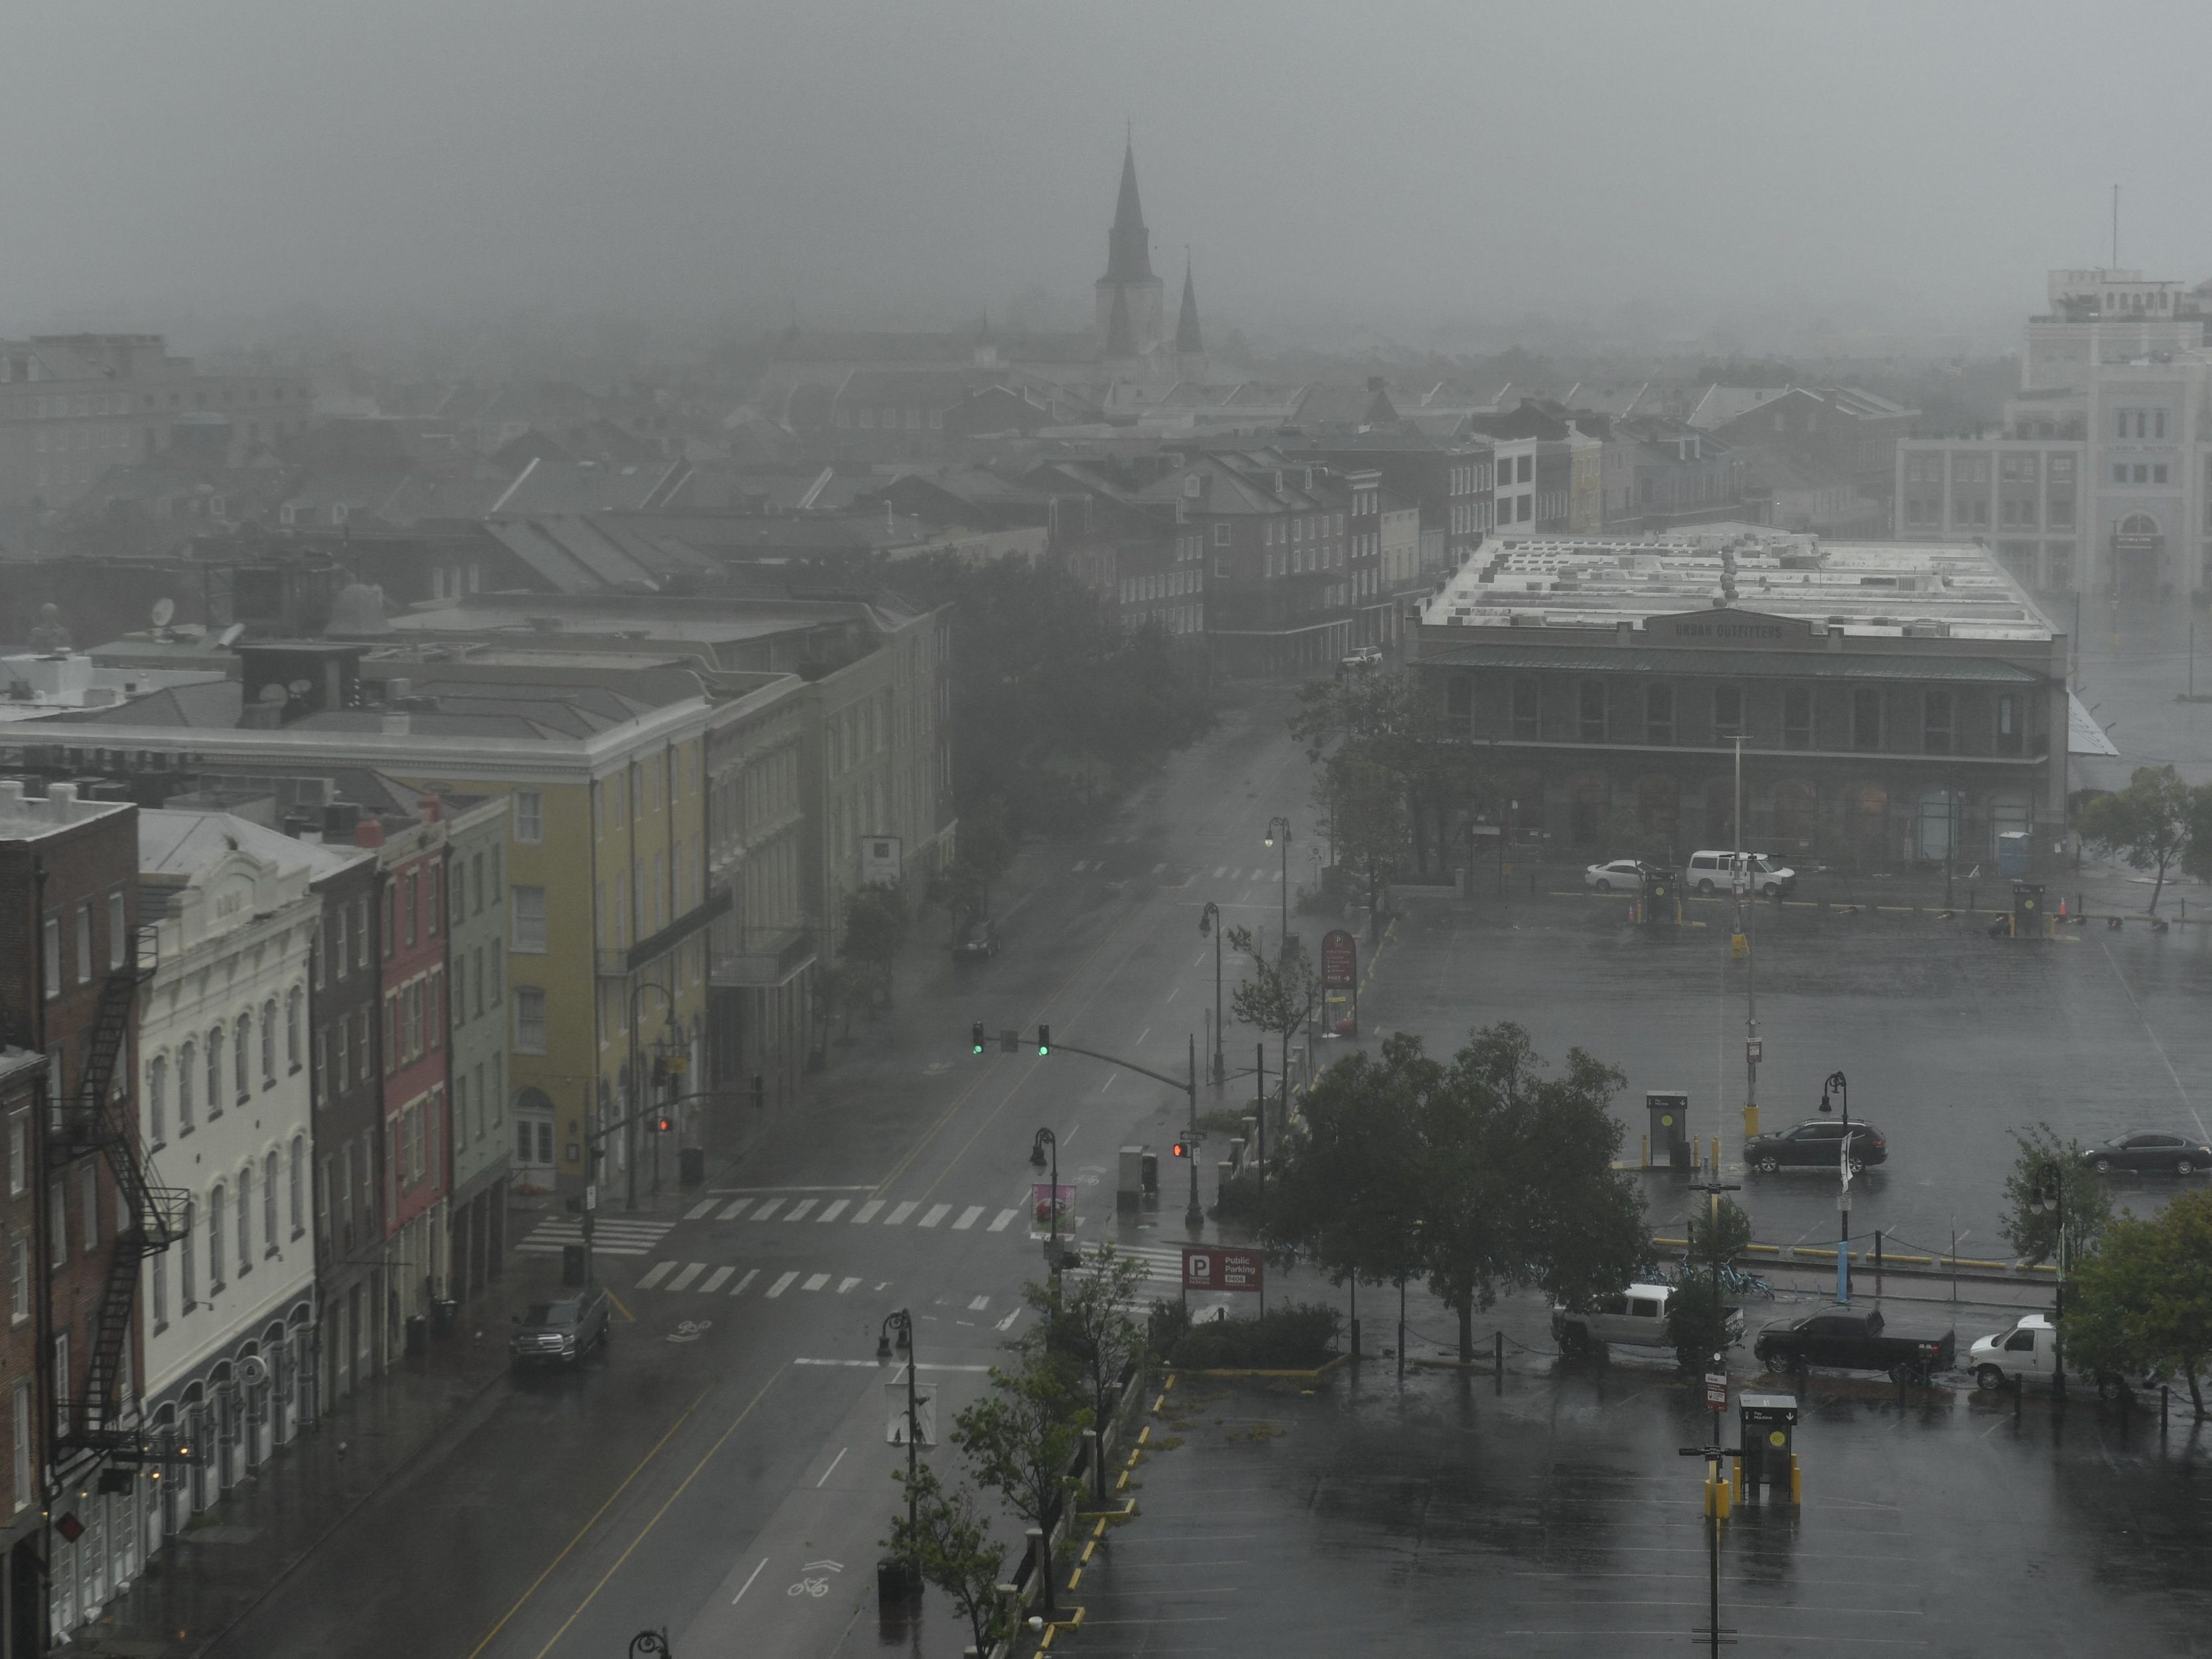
x,y
1840,1085
1742,883
1279,835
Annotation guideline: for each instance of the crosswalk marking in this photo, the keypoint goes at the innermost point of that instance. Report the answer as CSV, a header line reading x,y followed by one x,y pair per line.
x,y
1220,871
866,1213
901,1213
610,1237
979,1304
798,1210
845,1284
937,1213
654,1275
715,1280
738,1289
767,1209
690,1272
999,1222
969,1218
782,1285
1008,1321
700,1208
815,1281
732,1212
837,1207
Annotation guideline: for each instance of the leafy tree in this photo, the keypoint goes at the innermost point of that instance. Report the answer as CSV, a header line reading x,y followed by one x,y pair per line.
x,y
1698,1318
1729,1229
1085,1322
1276,997
2143,1302
949,1542
1495,1177
986,848
2146,824
2047,1165
1368,821
1020,1438
876,924
1400,729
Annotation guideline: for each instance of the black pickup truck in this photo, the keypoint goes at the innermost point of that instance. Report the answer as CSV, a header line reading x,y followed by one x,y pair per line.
x,y
1852,1341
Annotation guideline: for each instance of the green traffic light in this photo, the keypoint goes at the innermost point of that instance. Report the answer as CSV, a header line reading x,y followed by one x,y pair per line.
x,y
1044,1039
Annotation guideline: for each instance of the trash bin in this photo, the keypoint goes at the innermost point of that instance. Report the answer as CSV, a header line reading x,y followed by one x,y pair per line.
x,y
418,1334
895,1586
1670,1128
572,1264
691,1165
1768,1422
442,1311
2016,853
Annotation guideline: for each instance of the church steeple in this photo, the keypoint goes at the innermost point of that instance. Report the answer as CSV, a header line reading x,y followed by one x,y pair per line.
x,y
1120,342
1128,245
1187,343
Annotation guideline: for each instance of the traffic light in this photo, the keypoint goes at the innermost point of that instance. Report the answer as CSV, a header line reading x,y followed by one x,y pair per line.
x,y
1044,1039
662,1123
1182,1148
976,1036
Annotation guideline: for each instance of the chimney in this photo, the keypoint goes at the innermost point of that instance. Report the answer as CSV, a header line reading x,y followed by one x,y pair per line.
x,y
429,808
61,801
368,832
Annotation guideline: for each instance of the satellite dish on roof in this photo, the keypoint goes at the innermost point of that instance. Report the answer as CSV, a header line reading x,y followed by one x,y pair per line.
x,y
230,634
273,693
164,609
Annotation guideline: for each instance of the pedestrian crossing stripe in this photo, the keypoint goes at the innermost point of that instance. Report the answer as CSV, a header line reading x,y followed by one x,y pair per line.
x,y
901,1213
686,1278
867,1211
689,1274
782,1285
715,1280
969,1218
835,1209
1000,1221
937,1213
767,1209
798,1210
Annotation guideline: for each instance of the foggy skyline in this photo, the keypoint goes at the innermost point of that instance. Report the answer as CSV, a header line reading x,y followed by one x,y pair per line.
x,y
1413,169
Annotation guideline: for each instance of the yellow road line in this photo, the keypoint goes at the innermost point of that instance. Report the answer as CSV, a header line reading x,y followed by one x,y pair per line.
x,y
536,1583
683,1486
620,1310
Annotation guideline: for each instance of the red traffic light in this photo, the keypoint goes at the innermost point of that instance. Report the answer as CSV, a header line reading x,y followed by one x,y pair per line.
x,y
1181,1150
662,1125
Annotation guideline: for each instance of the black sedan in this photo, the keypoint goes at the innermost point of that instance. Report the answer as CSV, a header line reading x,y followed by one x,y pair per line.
x,y
2149,1151
1817,1143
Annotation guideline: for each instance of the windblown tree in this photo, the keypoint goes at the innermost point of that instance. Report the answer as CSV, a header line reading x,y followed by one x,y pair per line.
x,y
1021,1437
876,924
1368,820
1497,1176
2142,1304
1391,725
949,1543
1278,997
2147,825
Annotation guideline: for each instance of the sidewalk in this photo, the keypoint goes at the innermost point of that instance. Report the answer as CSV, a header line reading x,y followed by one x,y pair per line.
x,y
227,1560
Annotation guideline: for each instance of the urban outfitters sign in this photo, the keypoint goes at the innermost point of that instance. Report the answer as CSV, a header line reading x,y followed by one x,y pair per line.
x,y
1724,628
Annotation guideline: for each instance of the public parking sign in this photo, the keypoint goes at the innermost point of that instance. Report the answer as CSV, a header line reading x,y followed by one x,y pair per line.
x,y
1210,1268
1716,1390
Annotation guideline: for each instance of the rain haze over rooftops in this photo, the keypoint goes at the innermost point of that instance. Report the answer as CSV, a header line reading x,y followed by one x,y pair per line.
x,y
1879,165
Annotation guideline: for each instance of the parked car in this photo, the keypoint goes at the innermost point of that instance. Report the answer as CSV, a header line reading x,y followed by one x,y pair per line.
x,y
1636,1318
975,940
1625,875
2029,1350
2149,1150
1769,877
559,1332
1817,1143
1852,1340
1366,656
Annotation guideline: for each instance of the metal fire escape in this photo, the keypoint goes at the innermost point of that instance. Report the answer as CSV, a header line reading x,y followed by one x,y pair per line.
x,y
101,1119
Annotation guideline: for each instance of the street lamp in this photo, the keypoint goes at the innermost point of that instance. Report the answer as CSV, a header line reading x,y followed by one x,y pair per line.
x,y
2048,1198
1046,1138
653,1643
1839,1085
901,1323
1209,921
1279,835
635,1105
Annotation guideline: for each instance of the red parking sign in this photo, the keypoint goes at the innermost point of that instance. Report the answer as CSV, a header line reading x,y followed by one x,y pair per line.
x,y
1212,1268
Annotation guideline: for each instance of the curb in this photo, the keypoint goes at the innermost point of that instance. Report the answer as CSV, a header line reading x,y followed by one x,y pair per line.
x,y
1313,1376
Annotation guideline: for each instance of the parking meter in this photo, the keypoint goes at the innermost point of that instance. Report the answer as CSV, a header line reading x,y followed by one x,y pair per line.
x,y
1670,1128
1659,903
2026,909
1768,1423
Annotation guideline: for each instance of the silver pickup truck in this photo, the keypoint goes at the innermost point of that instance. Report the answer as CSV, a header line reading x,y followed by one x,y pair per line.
x,y
1636,1318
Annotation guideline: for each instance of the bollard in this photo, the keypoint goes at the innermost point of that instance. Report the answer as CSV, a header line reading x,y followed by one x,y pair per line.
x,y
1716,1166
1796,1480
2163,1391
1498,1344
1643,1152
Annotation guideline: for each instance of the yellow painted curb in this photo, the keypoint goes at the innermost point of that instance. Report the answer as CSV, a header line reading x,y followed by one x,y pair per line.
x,y
1075,1578
1313,1376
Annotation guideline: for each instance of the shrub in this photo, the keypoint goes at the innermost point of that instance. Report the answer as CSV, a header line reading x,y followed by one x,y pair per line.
x,y
1300,1335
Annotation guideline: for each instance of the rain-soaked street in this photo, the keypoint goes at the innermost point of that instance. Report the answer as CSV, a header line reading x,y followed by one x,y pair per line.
x,y
1362,1514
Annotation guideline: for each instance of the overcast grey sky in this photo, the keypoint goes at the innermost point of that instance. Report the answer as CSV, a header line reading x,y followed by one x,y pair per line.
x,y
1330,164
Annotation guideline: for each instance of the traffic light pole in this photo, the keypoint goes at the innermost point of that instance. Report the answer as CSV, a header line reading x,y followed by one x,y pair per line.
x,y
1195,1216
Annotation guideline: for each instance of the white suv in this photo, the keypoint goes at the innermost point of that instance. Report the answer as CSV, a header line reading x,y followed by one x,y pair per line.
x,y
1713,871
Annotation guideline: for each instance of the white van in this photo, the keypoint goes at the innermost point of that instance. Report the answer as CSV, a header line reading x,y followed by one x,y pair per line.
x,y
1710,872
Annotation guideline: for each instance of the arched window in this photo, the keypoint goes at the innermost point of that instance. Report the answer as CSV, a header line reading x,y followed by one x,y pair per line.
x,y
157,1099
241,1057
268,1202
186,1278
215,1237
215,1071
299,1179
188,1056
269,1043
292,1006
246,1220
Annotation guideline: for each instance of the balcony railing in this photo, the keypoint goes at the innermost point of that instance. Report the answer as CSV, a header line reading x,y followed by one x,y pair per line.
x,y
770,957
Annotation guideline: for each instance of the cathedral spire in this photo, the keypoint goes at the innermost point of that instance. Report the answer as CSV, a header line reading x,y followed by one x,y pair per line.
x,y
1121,342
1187,343
1128,245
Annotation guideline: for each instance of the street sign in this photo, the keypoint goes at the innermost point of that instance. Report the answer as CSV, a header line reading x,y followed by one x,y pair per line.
x,y
591,1195
1716,1390
1339,960
925,1412
1212,1268
1754,1048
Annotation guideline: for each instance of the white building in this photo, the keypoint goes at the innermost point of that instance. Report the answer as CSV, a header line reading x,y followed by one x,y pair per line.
x,y
2100,477
225,1111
